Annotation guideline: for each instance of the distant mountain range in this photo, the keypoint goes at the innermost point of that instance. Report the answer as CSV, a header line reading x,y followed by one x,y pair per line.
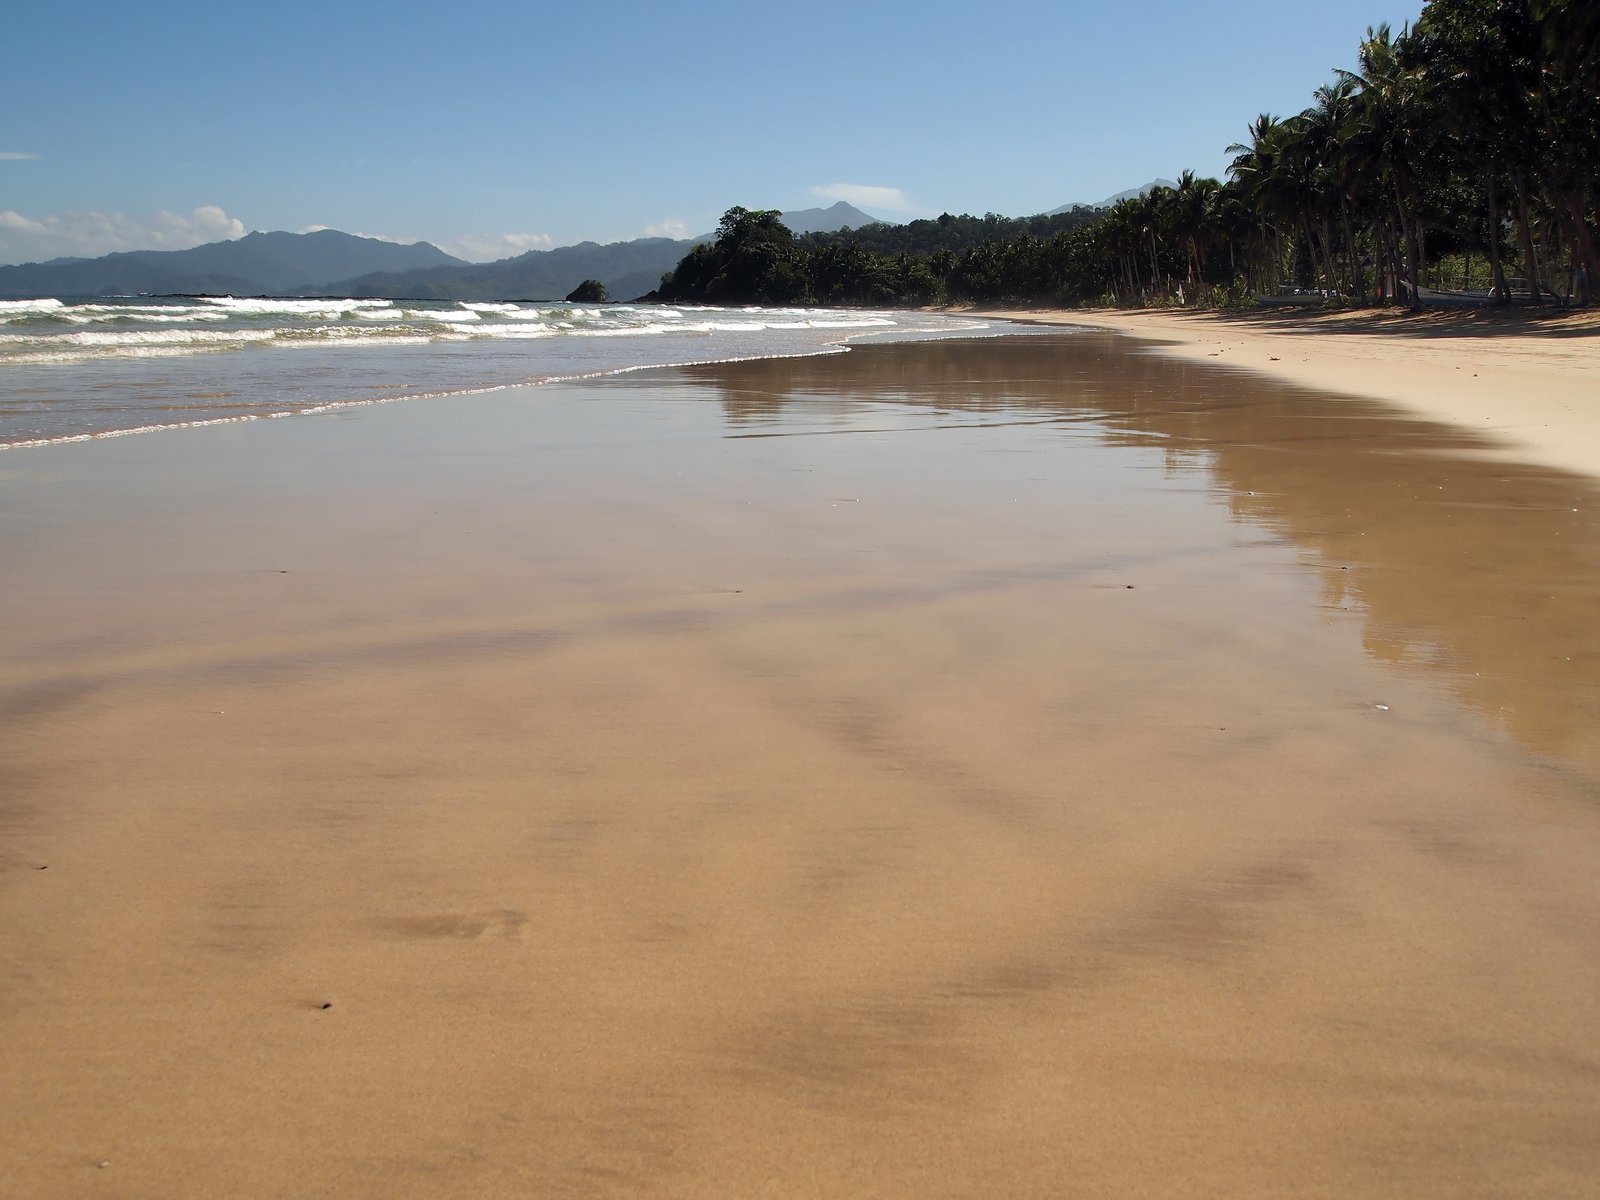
x,y
256,264
627,269
1130,194
330,263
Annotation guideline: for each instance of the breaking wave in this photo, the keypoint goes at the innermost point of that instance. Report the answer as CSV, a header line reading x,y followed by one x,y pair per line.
x,y
73,369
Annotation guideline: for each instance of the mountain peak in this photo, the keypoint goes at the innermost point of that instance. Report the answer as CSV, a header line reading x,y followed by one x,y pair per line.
x,y
1129,194
839,215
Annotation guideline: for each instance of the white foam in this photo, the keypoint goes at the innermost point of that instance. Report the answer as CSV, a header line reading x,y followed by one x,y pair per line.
x,y
628,330
531,329
161,337
448,316
296,308
20,307
339,338
145,310
48,358
132,343
86,314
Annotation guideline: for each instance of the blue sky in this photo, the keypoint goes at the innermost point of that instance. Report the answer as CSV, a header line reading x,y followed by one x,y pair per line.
x,y
489,128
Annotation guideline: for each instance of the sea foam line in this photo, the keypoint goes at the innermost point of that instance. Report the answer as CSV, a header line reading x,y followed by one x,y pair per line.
x,y
841,346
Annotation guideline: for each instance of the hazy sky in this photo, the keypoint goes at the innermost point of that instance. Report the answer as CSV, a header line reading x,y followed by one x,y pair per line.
x,y
494,127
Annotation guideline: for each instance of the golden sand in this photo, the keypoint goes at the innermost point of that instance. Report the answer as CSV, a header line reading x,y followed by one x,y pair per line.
x,y
1022,767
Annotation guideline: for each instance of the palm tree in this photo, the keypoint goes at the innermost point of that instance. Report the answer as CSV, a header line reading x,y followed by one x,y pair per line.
x,y
1305,183
1256,171
1331,118
1482,104
1193,214
1568,54
1384,130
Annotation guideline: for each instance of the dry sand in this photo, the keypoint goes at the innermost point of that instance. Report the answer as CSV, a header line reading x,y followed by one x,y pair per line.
x,y
1530,379
1011,768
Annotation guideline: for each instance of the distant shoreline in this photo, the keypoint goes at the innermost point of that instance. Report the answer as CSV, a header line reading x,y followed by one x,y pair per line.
x,y
1528,378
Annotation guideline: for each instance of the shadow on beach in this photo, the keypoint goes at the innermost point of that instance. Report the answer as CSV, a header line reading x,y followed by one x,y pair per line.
x,y
1475,321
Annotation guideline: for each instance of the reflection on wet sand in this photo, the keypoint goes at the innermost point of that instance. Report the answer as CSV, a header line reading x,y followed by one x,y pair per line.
x,y
1483,572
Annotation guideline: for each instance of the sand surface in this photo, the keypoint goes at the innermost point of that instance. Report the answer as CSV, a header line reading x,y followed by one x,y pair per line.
x,y
1023,767
1529,378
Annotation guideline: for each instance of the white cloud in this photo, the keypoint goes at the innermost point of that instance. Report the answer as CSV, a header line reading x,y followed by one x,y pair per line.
x,y
478,247
91,234
670,228
313,228
15,156
882,199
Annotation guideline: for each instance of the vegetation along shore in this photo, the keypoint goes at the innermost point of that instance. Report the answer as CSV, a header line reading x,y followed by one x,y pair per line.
x,y
1456,165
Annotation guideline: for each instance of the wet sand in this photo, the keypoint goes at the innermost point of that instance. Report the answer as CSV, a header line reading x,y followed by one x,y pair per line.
x,y
1525,377
1011,767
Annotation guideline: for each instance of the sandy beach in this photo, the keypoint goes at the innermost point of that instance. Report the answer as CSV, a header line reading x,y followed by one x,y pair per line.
x,y
1528,378
1022,766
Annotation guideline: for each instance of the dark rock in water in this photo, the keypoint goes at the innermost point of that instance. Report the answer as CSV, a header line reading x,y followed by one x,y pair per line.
x,y
590,291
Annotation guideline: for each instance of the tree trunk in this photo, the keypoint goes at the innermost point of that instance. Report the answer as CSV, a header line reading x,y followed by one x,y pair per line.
x,y
1588,251
1391,264
1380,262
1502,294
1525,226
1318,264
1358,277
1393,240
1408,236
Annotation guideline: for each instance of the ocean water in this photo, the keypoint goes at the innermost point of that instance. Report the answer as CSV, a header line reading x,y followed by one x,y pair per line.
x,y
76,369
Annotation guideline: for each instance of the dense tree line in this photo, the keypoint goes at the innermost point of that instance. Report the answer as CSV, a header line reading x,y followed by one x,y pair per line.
x,y
754,259
1462,153
955,233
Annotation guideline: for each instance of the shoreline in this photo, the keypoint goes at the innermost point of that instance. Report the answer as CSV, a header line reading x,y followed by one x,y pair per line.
x,y
1528,380
160,367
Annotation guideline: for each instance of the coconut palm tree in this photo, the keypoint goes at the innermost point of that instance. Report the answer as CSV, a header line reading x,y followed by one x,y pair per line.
x,y
1253,173
1193,216
1384,131
1568,52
